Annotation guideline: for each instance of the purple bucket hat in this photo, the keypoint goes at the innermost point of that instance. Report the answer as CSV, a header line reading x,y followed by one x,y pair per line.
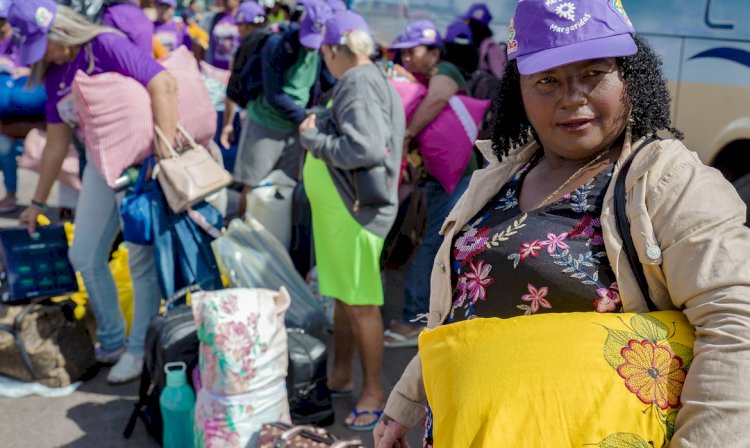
x,y
479,12
170,3
458,33
250,13
31,20
312,22
421,32
341,23
545,34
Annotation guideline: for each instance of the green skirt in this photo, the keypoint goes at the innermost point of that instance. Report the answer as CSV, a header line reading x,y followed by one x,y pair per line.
x,y
347,254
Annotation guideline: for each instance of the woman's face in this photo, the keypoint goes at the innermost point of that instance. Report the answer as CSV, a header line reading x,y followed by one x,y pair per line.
x,y
58,53
232,4
577,109
420,59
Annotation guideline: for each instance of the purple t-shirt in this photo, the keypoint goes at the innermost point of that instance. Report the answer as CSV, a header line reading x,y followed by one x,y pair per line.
x,y
171,35
225,38
111,53
132,21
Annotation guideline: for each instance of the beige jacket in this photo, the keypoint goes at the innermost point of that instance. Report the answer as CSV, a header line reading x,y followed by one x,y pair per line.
x,y
687,226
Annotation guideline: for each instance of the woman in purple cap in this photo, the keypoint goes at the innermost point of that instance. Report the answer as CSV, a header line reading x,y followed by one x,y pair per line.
x,y
351,173
169,31
578,108
57,43
421,51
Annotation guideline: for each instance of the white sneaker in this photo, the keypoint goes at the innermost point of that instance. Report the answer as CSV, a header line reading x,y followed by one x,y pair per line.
x,y
128,368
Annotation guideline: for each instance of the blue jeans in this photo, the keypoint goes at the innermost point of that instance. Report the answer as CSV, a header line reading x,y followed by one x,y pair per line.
x,y
9,150
417,288
97,223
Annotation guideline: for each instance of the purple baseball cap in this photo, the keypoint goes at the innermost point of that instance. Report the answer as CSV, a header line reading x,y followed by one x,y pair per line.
x,y
170,3
479,12
250,13
545,34
31,20
458,33
421,32
312,22
341,23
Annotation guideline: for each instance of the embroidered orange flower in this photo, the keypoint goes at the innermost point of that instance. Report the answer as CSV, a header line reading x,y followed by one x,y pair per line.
x,y
653,373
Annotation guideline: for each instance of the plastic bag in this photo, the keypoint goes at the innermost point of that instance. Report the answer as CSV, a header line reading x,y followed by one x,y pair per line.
x,y
251,257
271,204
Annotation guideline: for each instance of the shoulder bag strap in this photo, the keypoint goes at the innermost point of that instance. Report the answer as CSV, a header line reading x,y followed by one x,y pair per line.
x,y
623,225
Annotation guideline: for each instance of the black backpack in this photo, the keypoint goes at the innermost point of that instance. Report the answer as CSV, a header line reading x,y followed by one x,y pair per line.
x,y
170,337
246,81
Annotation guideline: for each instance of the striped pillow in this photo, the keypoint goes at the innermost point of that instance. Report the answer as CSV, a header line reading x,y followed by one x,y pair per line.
x,y
116,118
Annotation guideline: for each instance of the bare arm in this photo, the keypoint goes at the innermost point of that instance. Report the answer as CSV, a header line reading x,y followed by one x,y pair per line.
x,y
441,89
59,137
163,92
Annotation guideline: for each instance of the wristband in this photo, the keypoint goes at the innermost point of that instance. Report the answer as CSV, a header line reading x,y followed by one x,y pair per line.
x,y
40,205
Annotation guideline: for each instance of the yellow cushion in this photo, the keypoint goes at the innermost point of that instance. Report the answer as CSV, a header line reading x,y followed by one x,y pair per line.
x,y
557,380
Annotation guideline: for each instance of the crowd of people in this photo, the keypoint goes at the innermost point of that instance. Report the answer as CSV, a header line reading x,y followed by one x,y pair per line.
x,y
321,106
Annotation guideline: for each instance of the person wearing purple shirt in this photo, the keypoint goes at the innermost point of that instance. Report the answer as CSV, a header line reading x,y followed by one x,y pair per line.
x,y
224,36
133,22
57,42
170,32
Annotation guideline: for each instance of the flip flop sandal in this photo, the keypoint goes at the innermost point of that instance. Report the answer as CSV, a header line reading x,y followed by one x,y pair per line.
x,y
399,340
364,428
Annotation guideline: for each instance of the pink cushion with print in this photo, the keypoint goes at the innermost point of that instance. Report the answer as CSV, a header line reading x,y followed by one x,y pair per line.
x,y
116,118
447,142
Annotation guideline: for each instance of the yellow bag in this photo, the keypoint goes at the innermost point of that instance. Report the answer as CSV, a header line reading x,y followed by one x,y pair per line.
x,y
554,380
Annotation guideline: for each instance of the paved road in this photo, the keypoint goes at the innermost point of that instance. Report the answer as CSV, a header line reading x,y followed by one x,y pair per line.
x,y
95,415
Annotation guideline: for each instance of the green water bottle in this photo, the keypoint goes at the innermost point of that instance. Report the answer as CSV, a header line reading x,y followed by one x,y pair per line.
x,y
177,403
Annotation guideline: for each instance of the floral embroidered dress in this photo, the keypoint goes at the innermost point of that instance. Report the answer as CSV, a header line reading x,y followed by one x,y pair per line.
x,y
507,263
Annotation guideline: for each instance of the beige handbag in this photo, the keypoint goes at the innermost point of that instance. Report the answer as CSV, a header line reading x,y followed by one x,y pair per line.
x,y
190,175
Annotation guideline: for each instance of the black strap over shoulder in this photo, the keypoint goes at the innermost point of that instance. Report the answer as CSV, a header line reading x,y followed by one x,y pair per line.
x,y
623,225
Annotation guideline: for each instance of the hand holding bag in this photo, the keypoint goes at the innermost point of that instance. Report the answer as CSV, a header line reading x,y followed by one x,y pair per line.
x,y
189,176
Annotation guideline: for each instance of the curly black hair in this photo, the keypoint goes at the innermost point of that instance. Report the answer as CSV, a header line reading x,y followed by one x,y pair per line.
x,y
645,89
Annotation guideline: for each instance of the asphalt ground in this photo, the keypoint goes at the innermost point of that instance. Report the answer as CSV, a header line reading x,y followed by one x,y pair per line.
x,y
96,414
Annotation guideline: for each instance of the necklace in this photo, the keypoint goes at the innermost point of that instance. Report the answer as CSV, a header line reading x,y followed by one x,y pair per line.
x,y
575,175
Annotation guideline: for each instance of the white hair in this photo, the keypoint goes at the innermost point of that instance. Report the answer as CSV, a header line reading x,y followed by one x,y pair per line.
x,y
357,43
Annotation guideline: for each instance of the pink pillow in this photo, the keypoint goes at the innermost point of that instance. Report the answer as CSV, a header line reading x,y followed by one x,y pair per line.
x,y
116,118
447,142
31,159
